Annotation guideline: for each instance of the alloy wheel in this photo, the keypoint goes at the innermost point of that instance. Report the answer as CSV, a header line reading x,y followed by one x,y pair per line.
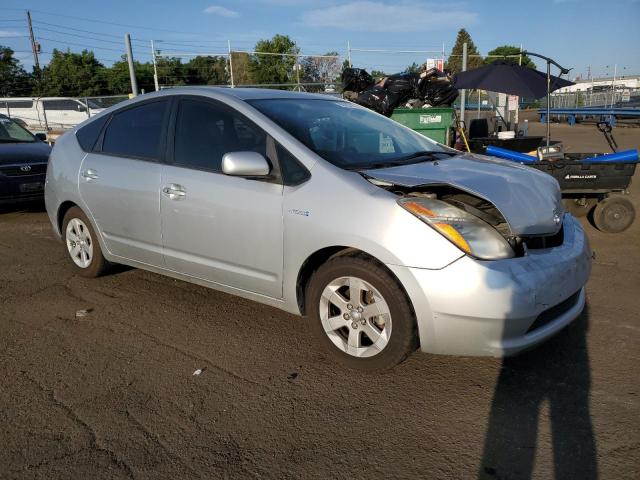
x,y
355,316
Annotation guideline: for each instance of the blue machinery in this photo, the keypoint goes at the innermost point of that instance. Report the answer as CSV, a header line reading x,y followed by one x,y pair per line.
x,y
608,115
626,156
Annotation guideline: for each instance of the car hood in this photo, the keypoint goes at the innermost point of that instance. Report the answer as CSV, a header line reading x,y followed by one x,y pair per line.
x,y
529,200
17,153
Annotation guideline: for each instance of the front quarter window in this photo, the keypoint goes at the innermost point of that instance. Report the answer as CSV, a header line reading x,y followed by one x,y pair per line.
x,y
344,134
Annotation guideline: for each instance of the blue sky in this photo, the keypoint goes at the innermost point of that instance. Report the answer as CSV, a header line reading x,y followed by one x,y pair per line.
x,y
577,33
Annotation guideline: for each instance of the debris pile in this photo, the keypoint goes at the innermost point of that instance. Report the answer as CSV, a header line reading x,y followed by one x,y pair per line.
x,y
430,88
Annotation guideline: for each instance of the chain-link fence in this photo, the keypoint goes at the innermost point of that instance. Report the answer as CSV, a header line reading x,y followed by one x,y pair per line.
x,y
603,99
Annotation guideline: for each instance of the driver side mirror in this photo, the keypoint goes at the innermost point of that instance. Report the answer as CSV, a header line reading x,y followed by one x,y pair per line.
x,y
81,108
41,136
245,164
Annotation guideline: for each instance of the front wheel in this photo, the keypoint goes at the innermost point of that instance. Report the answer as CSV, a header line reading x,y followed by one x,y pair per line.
x,y
81,244
360,314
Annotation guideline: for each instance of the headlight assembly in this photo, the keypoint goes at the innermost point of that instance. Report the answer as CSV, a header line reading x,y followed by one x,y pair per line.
x,y
464,230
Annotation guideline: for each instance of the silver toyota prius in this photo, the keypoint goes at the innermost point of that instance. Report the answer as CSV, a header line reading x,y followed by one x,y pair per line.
x,y
387,241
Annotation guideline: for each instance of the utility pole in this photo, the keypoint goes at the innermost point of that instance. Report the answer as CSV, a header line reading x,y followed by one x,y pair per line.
x,y
463,92
132,70
349,52
35,47
230,64
155,67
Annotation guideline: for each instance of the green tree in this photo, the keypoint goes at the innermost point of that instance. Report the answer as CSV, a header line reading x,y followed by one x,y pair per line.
x,y
322,69
241,68
378,74
505,51
73,74
454,62
206,70
413,68
14,80
119,82
171,71
276,68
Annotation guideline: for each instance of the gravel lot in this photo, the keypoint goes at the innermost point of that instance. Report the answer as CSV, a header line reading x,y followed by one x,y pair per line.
x,y
112,394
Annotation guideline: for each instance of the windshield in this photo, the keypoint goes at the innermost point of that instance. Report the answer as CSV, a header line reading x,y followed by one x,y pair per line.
x,y
11,132
347,135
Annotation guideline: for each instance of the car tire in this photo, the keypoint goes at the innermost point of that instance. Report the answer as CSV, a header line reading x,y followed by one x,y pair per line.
x,y
614,214
82,245
342,324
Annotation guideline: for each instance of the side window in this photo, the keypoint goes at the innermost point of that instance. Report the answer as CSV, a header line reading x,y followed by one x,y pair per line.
x,y
62,105
17,104
292,171
88,135
136,132
206,131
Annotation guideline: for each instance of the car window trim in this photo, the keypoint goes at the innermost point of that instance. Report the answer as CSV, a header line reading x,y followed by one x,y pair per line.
x,y
273,177
163,138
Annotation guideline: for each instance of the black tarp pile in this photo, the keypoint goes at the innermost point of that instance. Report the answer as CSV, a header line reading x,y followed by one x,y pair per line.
x,y
413,90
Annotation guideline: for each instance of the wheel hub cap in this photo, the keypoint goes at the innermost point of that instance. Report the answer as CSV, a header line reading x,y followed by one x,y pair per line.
x,y
355,316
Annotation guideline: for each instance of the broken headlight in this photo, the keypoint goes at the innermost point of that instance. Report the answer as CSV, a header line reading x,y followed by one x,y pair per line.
x,y
464,230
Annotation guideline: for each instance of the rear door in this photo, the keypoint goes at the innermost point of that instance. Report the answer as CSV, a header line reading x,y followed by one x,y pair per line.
x,y
120,180
217,227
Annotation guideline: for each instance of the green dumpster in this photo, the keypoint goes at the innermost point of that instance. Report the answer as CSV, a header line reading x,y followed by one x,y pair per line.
x,y
434,123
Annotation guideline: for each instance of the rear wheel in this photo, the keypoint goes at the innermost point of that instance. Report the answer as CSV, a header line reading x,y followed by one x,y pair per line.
x,y
81,244
360,314
614,214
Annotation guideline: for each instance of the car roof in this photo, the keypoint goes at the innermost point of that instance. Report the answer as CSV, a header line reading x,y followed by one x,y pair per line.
x,y
253,93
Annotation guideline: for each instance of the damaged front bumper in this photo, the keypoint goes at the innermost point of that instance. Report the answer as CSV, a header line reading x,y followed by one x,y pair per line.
x,y
501,307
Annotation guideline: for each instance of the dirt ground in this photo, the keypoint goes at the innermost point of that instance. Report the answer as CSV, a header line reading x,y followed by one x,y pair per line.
x,y
112,394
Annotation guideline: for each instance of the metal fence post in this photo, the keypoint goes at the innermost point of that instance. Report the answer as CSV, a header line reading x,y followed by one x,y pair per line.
x,y
86,102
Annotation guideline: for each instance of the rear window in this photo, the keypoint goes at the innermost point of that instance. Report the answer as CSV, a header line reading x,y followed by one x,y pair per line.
x,y
137,132
88,135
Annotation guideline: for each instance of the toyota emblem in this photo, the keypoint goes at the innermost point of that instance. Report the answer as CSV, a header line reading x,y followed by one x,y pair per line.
x,y
25,168
556,219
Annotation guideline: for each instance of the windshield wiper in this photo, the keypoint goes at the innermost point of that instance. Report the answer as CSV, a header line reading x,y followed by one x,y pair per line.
x,y
425,153
409,159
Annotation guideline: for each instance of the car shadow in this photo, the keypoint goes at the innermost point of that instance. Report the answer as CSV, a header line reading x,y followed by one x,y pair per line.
x,y
32,206
556,373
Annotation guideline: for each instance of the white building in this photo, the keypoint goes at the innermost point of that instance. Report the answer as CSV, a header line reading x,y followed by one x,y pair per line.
x,y
631,83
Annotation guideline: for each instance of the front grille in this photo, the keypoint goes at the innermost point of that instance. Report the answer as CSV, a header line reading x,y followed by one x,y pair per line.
x,y
19,170
544,241
550,314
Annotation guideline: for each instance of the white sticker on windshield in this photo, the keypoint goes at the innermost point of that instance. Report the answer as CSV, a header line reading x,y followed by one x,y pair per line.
x,y
386,144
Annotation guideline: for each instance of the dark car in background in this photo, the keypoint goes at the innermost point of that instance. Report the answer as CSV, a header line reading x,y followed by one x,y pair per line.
x,y
23,163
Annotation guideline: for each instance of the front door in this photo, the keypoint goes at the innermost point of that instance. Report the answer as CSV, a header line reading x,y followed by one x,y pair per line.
x,y
215,227
120,183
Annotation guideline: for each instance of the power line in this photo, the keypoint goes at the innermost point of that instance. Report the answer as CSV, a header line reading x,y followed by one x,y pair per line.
x,y
79,36
64,42
110,35
105,22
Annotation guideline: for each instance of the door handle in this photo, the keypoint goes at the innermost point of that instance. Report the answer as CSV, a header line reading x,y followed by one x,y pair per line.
x,y
174,191
89,174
